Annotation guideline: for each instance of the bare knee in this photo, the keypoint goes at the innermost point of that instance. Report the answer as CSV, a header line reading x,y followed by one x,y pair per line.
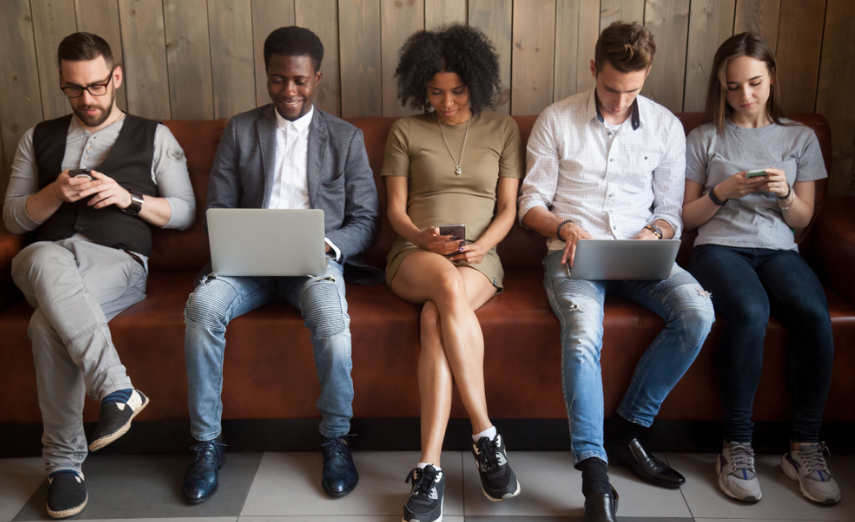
x,y
450,289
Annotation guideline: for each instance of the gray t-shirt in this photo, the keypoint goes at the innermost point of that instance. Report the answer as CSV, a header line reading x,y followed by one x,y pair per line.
x,y
754,221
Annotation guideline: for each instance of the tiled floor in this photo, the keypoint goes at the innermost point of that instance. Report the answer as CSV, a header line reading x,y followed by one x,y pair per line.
x,y
285,487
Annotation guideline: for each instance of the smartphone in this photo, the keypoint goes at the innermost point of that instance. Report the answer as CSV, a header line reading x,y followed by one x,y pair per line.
x,y
754,173
457,233
80,173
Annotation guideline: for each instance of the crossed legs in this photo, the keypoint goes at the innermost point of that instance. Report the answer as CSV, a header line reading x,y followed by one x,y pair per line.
x,y
452,345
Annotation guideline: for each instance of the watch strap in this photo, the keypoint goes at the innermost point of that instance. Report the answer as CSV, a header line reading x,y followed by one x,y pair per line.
x,y
136,203
656,230
715,199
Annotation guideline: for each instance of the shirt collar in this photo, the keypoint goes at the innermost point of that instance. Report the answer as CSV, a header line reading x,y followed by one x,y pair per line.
x,y
592,104
300,124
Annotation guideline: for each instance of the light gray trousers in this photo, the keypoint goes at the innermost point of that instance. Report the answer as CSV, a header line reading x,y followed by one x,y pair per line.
x,y
75,288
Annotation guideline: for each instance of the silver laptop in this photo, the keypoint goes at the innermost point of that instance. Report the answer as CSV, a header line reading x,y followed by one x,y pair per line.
x,y
624,259
266,242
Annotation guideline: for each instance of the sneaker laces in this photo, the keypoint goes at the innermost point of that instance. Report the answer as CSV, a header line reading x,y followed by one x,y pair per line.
x,y
488,456
207,450
813,459
422,480
742,456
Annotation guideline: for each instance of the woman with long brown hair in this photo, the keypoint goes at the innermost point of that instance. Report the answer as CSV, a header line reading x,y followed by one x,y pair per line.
x,y
750,183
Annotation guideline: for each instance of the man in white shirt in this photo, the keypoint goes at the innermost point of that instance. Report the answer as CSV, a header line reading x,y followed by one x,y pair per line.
x,y
286,155
609,164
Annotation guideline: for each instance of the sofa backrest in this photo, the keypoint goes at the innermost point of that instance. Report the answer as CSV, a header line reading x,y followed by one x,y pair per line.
x,y
522,248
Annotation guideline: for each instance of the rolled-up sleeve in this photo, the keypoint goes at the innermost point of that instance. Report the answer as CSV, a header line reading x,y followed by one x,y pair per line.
x,y
669,180
541,179
169,170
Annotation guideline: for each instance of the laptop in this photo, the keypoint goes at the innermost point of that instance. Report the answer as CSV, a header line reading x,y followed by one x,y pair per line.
x,y
266,242
624,259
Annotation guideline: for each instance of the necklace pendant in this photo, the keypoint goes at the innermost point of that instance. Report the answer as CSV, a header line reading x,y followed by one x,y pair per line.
x,y
458,170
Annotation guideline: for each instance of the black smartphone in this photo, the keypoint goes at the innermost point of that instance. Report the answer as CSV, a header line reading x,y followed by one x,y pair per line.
x,y
457,233
80,173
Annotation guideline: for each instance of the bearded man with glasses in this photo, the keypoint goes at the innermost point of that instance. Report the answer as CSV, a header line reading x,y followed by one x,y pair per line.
x,y
90,184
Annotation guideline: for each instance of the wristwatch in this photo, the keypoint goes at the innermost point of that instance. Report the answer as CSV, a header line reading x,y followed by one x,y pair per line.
x,y
656,230
136,203
715,199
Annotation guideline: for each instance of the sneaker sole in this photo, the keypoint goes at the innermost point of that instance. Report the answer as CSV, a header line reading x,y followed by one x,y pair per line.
x,y
505,496
791,472
104,441
68,512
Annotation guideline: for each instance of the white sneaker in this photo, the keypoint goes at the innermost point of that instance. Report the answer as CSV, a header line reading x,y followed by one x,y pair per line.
x,y
737,477
807,465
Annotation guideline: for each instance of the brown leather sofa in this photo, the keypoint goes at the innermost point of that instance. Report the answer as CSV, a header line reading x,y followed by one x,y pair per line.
x,y
269,355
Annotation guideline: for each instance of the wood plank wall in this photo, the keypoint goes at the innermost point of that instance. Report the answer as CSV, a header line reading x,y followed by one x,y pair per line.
x,y
202,59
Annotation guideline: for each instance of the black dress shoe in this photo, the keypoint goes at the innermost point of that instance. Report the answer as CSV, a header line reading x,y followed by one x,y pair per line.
x,y
340,476
601,507
202,479
644,466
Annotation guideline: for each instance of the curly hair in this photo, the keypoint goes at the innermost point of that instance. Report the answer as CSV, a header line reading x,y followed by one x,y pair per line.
x,y
455,48
294,41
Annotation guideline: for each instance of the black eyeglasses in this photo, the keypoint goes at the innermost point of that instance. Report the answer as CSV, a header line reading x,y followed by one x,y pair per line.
x,y
95,89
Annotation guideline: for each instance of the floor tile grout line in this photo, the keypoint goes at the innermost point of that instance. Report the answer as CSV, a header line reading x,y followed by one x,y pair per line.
x,y
682,494
463,485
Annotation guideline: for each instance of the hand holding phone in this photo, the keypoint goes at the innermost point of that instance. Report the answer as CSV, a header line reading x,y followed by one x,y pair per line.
x,y
81,173
457,233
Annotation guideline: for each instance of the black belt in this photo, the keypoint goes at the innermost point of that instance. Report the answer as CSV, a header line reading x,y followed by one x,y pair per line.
x,y
135,258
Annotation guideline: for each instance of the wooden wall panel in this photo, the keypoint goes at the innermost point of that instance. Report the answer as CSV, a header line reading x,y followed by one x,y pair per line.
x,y
188,58
799,50
710,24
620,11
576,24
321,16
760,16
359,41
232,61
144,45
267,15
495,19
834,98
101,17
19,81
668,20
398,20
53,20
442,12
533,56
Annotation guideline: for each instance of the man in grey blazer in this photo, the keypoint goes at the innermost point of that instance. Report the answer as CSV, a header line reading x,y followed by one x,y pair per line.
x,y
288,154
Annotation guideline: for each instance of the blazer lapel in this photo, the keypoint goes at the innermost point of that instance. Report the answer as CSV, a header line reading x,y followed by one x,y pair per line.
x,y
318,139
266,128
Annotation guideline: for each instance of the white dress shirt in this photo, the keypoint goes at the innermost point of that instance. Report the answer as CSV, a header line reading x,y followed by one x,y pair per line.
x,y
290,179
610,181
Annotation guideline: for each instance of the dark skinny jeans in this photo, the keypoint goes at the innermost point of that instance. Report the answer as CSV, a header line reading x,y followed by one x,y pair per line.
x,y
748,284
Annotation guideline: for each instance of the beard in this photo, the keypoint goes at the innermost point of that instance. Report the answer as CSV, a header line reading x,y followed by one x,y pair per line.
x,y
97,119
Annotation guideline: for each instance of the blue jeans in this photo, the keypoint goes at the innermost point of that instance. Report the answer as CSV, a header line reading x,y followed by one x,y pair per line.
x,y
749,284
679,301
217,300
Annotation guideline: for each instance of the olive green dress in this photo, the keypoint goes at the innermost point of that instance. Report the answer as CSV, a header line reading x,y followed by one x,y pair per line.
x,y
436,195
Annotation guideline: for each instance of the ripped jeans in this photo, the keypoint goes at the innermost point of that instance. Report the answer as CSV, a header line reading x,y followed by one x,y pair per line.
x,y
679,300
218,299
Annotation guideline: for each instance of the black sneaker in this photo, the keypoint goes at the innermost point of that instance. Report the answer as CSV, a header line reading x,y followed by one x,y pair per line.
x,y
425,503
114,419
497,478
66,493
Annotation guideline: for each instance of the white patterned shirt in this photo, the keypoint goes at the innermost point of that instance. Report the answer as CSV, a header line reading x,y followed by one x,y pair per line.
x,y
611,183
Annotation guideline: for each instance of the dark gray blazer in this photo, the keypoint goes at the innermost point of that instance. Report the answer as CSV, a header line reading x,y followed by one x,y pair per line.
x,y
340,180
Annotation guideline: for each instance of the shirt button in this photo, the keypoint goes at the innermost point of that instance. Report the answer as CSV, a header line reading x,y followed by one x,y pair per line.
x,y
614,227
78,228
611,160
610,134
610,195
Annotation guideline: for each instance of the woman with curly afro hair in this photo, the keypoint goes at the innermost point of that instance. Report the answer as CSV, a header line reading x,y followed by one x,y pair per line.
x,y
457,163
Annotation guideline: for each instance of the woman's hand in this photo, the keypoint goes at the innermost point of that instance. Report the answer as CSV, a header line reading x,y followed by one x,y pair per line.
x,y
430,240
776,183
471,253
737,186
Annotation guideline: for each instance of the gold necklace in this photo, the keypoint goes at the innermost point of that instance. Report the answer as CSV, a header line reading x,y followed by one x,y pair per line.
x,y
458,170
